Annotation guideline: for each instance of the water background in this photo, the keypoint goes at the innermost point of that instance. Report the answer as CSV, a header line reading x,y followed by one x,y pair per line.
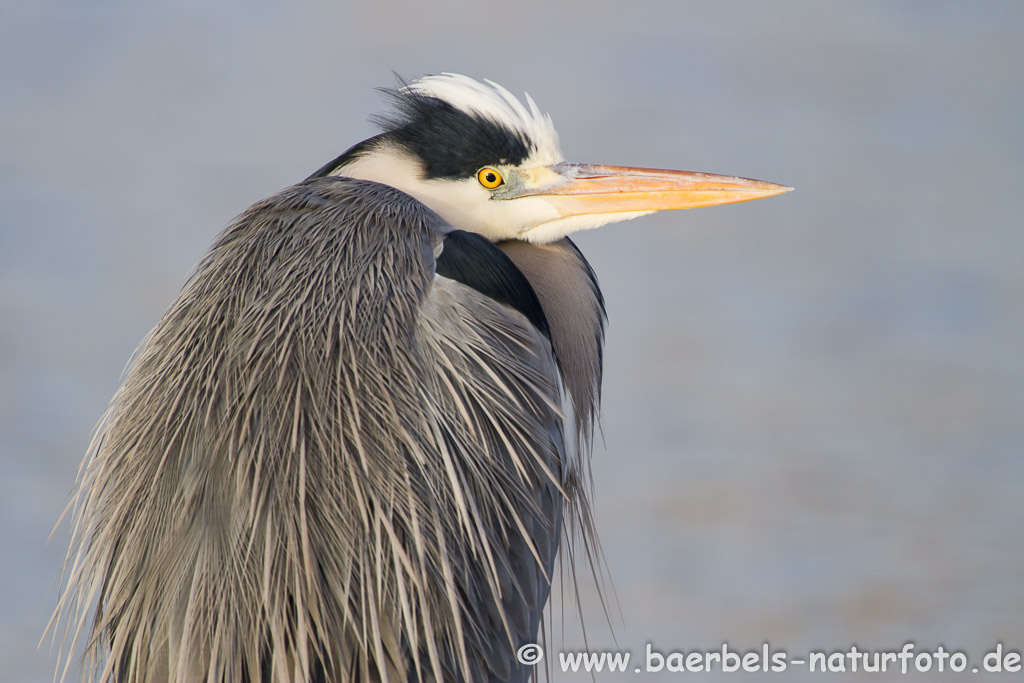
x,y
814,404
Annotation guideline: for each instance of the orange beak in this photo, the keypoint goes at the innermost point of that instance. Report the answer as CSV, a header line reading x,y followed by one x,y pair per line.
x,y
587,189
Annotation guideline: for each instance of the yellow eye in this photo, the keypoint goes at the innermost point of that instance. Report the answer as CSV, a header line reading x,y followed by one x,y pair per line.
x,y
489,177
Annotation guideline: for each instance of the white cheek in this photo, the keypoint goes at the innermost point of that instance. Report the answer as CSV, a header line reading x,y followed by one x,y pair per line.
x,y
461,203
468,206
518,216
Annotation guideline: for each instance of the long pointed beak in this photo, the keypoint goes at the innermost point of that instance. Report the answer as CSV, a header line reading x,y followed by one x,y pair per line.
x,y
587,189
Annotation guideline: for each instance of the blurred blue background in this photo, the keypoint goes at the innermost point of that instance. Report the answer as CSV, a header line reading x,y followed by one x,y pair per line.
x,y
814,405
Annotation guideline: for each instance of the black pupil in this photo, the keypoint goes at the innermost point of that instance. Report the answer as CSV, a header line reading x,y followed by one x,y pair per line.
x,y
491,177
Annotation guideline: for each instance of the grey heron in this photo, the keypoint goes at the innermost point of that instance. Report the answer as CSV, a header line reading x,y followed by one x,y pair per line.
x,y
350,448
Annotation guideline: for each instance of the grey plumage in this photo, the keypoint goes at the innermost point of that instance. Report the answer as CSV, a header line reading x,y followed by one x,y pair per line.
x,y
304,453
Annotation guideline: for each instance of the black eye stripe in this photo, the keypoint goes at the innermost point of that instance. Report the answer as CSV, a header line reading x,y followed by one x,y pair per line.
x,y
450,142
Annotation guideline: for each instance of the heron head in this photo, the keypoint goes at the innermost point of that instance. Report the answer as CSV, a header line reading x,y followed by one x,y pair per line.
x,y
489,164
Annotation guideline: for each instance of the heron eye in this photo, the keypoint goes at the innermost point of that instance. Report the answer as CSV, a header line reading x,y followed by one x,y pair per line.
x,y
489,178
